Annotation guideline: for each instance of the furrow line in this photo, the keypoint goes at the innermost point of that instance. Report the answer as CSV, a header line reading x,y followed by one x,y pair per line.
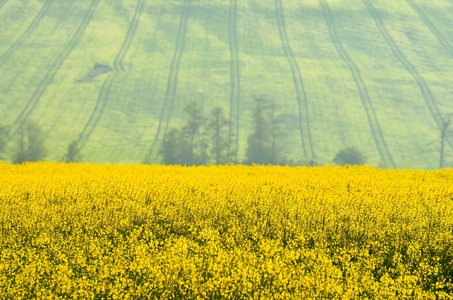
x,y
33,101
442,40
98,110
301,95
172,82
235,78
118,63
85,135
18,43
361,87
410,68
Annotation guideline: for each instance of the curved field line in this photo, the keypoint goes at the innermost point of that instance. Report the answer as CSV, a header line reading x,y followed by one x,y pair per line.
x,y
84,136
361,87
297,78
410,68
106,86
42,12
442,40
23,116
235,92
118,63
172,82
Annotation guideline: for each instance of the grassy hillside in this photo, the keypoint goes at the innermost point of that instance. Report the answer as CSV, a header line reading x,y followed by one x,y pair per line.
x,y
116,74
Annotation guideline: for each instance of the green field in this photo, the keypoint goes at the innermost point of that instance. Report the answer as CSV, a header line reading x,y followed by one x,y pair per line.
x,y
375,74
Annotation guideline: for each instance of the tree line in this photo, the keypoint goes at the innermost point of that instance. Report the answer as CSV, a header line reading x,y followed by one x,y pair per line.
x,y
201,141
209,141
205,141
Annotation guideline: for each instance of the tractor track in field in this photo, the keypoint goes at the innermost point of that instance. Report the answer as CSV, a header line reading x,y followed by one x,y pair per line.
x,y
172,82
235,92
118,63
18,43
301,94
361,87
442,40
33,101
108,82
410,68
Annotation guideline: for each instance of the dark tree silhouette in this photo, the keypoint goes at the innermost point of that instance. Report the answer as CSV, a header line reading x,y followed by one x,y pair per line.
x,y
349,156
444,131
175,148
30,146
218,132
73,153
4,133
264,145
192,129
186,146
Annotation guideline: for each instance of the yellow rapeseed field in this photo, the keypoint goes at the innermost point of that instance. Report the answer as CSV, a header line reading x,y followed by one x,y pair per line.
x,y
80,231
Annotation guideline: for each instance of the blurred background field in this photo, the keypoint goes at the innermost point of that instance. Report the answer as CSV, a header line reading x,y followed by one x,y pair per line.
x,y
374,75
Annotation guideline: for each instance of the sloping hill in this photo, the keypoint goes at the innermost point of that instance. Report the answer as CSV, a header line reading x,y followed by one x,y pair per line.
x,y
377,74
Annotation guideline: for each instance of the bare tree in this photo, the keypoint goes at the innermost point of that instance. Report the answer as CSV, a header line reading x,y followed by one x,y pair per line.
x,y
445,125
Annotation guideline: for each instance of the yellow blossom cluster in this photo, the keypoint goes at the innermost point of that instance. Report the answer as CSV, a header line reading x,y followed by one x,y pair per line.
x,y
81,231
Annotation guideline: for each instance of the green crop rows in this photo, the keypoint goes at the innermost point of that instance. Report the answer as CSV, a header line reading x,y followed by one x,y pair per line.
x,y
372,74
